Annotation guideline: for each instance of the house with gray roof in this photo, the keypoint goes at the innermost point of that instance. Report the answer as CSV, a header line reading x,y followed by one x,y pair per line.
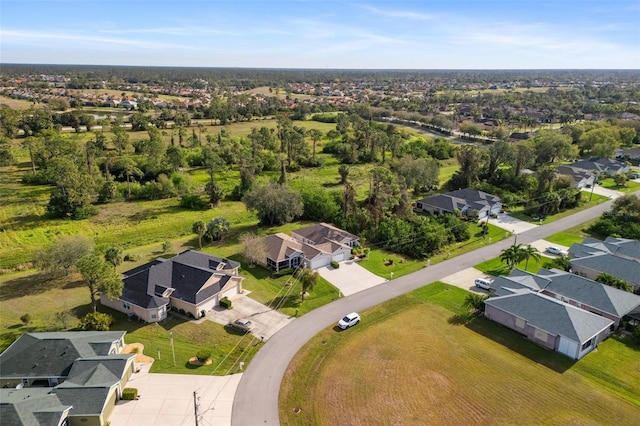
x,y
580,178
314,246
605,166
549,322
589,295
466,201
63,378
192,281
619,257
32,407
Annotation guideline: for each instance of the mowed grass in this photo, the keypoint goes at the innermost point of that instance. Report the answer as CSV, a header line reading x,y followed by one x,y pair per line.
x,y
588,202
572,235
497,267
411,361
629,186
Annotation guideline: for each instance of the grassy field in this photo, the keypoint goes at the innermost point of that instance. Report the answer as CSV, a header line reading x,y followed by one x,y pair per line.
x,y
457,372
15,103
595,200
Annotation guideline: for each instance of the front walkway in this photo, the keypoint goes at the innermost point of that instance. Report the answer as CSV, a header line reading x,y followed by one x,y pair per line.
x,y
167,400
350,277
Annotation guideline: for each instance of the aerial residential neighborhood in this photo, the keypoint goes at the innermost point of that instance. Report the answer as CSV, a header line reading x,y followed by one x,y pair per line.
x,y
309,213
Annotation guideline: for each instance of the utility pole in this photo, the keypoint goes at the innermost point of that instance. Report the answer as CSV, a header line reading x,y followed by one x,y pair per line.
x,y
195,405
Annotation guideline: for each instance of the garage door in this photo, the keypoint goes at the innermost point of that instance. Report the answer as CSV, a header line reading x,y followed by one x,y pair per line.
x,y
339,257
568,347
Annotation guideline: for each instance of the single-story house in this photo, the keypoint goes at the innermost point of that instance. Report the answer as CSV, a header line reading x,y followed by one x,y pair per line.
x,y
589,295
466,201
581,178
192,281
619,257
605,166
82,371
549,322
32,407
315,246
631,154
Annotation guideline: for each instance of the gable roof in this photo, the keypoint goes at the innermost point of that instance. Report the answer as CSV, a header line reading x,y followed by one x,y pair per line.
x,y
31,407
86,401
617,246
550,315
518,280
101,371
51,354
599,164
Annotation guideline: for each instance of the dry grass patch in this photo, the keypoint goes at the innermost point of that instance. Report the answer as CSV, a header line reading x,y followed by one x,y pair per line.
x,y
408,364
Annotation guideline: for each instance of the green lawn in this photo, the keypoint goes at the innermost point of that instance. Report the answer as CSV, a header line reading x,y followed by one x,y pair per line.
x,y
609,183
597,199
497,267
447,368
572,235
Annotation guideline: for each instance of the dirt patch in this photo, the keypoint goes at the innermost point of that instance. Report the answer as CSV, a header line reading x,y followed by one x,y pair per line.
x,y
138,349
196,361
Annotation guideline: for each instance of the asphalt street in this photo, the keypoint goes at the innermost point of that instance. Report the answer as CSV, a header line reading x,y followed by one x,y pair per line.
x,y
256,398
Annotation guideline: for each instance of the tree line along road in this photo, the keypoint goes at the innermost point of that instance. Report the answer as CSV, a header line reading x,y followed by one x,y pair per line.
x,y
256,398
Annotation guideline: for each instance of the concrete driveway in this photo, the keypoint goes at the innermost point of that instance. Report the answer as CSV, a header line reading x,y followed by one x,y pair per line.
x,y
466,279
167,400
597,189
511,224
541,245
267,320
350,277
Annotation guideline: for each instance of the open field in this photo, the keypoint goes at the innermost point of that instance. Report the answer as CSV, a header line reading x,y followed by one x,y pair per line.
x,y
458,371
15,103
586,203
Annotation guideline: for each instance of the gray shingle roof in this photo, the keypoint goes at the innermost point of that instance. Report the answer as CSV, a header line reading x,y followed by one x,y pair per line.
x,y
459,199
101,371
280,246
626,269
321,232
85,400
51,354
552,316
31,407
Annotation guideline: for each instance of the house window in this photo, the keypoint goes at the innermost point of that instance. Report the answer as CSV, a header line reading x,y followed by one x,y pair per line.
x,y
153,316
587,345
540,335
126,305
520,323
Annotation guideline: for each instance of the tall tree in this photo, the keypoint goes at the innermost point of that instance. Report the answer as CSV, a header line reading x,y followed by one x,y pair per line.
x,y
308,278
100,277
530,252
512,255
316,136
200,229
500,152
470,159
274,204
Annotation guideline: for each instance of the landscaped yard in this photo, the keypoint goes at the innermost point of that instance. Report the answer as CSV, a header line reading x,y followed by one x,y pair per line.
x,y
518,212
497,267
609,183
413,361
572,235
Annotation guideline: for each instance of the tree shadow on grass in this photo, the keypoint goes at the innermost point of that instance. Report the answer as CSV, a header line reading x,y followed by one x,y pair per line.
x,y
287,301
28,286
461,318
520,344
499,271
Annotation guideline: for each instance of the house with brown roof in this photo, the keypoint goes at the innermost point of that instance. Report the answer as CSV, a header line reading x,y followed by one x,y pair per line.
x,y
315,246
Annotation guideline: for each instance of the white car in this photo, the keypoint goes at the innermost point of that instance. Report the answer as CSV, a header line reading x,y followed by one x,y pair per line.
x,y
482,283
556,250
349,320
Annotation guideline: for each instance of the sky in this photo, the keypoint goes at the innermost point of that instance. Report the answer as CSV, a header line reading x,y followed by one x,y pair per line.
x,y
374,34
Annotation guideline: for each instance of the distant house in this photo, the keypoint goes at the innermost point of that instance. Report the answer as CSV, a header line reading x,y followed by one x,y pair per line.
x,y
128,104
63,378
631,154
192,281
465,201
548,322
604,166
615,256
580,178
316,246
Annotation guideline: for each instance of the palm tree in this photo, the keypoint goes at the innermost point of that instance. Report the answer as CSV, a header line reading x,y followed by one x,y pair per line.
x,y
308,278
113,255
530,253
475,302
199,228
216,228
512,255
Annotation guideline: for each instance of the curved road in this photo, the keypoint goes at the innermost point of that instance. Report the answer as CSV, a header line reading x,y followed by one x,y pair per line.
x,y
256,398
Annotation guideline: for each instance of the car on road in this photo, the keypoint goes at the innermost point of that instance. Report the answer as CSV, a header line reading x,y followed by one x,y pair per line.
x,y
556,250
241,325
349,320
482,283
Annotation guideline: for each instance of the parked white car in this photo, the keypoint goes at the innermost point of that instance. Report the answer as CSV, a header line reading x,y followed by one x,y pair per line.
x,y
482,283
349,320
555,250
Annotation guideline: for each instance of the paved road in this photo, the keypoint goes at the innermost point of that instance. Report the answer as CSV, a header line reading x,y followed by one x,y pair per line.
x,y
256,399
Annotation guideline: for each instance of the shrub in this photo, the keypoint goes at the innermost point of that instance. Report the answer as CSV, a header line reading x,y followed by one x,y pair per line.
x,y
26,319
282,272
131,257
96,321
129,394
193,202
334,264
203,355
225,303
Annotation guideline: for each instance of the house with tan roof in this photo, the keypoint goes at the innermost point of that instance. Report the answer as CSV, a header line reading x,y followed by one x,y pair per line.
x,y
315,246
